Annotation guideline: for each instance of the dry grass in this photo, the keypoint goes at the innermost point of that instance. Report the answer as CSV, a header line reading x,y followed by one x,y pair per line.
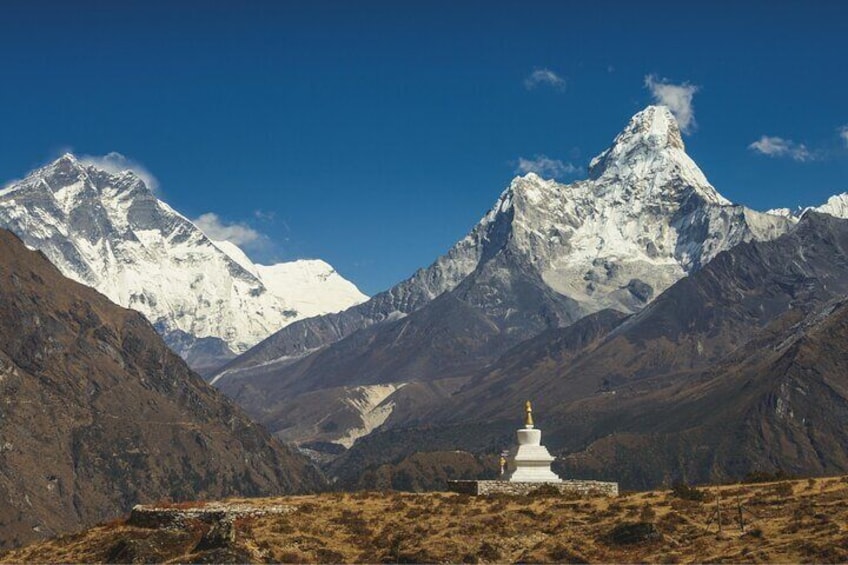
x,y
790,521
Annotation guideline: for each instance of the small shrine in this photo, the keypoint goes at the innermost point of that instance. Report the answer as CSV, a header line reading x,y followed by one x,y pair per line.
x,y
529,461
526,467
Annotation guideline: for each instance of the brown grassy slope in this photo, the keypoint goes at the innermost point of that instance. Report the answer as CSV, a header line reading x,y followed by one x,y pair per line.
x,y
797,521
97,414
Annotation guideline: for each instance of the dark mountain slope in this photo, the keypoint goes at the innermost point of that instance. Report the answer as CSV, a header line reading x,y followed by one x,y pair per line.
x,y
690,387
98,414
454,336
778,404
699,320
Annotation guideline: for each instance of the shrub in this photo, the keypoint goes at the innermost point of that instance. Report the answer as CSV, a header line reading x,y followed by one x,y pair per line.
x,y
615,507
783,489
290,557
685,492
489,552
562,554
414,513
459,499
631,533
647,513
325,555
354,523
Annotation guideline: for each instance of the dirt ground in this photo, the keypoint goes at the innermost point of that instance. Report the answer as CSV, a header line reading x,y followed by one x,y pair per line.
x,y
803,521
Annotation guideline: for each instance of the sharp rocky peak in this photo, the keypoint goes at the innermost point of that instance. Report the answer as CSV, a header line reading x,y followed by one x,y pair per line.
x,y
649,156
655,126
69,169
646,162
64,170
650,131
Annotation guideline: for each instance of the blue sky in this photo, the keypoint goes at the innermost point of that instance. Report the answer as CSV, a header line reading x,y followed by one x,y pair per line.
x,y
374,135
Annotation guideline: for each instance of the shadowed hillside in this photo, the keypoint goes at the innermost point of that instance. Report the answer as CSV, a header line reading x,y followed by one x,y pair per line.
x,y
98,414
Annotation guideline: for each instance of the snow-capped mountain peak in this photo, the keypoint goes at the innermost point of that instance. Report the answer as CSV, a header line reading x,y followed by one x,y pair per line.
x,y
646,216
311,286
74,183
836,205
107,229
649,156
544,256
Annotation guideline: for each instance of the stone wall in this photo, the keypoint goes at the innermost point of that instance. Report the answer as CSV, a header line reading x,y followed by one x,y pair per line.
x,y
582,488
219,517
176,516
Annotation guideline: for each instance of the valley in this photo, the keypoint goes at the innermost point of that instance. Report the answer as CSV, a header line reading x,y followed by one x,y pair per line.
x,y
341,282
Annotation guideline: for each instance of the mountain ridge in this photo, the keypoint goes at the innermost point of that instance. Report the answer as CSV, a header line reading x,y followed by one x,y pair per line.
x,y
545,255
561,215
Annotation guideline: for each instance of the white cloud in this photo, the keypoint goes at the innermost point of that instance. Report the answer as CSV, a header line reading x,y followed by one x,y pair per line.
x,y
843,133
774,146
114,163
544,77
678,99
265,216
216,230
546,167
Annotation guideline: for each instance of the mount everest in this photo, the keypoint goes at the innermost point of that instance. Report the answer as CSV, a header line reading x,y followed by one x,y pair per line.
x,y
207,298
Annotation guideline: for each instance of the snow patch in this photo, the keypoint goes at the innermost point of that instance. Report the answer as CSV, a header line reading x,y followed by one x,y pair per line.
x,y
836,206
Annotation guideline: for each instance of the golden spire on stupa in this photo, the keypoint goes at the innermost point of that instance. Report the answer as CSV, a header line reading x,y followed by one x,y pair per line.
x,y
528,414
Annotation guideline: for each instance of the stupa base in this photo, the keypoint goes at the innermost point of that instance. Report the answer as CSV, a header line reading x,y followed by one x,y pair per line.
x,y
565,487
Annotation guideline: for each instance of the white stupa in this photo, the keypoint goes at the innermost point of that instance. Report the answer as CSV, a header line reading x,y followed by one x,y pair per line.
x,y
529,461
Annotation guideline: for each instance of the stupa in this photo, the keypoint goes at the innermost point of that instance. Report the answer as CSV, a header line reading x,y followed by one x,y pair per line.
x,y
529,461
527,467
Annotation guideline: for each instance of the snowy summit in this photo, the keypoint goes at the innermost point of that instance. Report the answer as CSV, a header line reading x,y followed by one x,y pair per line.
x,y
109,231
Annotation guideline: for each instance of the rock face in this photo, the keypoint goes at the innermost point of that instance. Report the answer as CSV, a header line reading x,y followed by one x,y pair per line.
x,y
738,368
98,414
545,256
208,300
